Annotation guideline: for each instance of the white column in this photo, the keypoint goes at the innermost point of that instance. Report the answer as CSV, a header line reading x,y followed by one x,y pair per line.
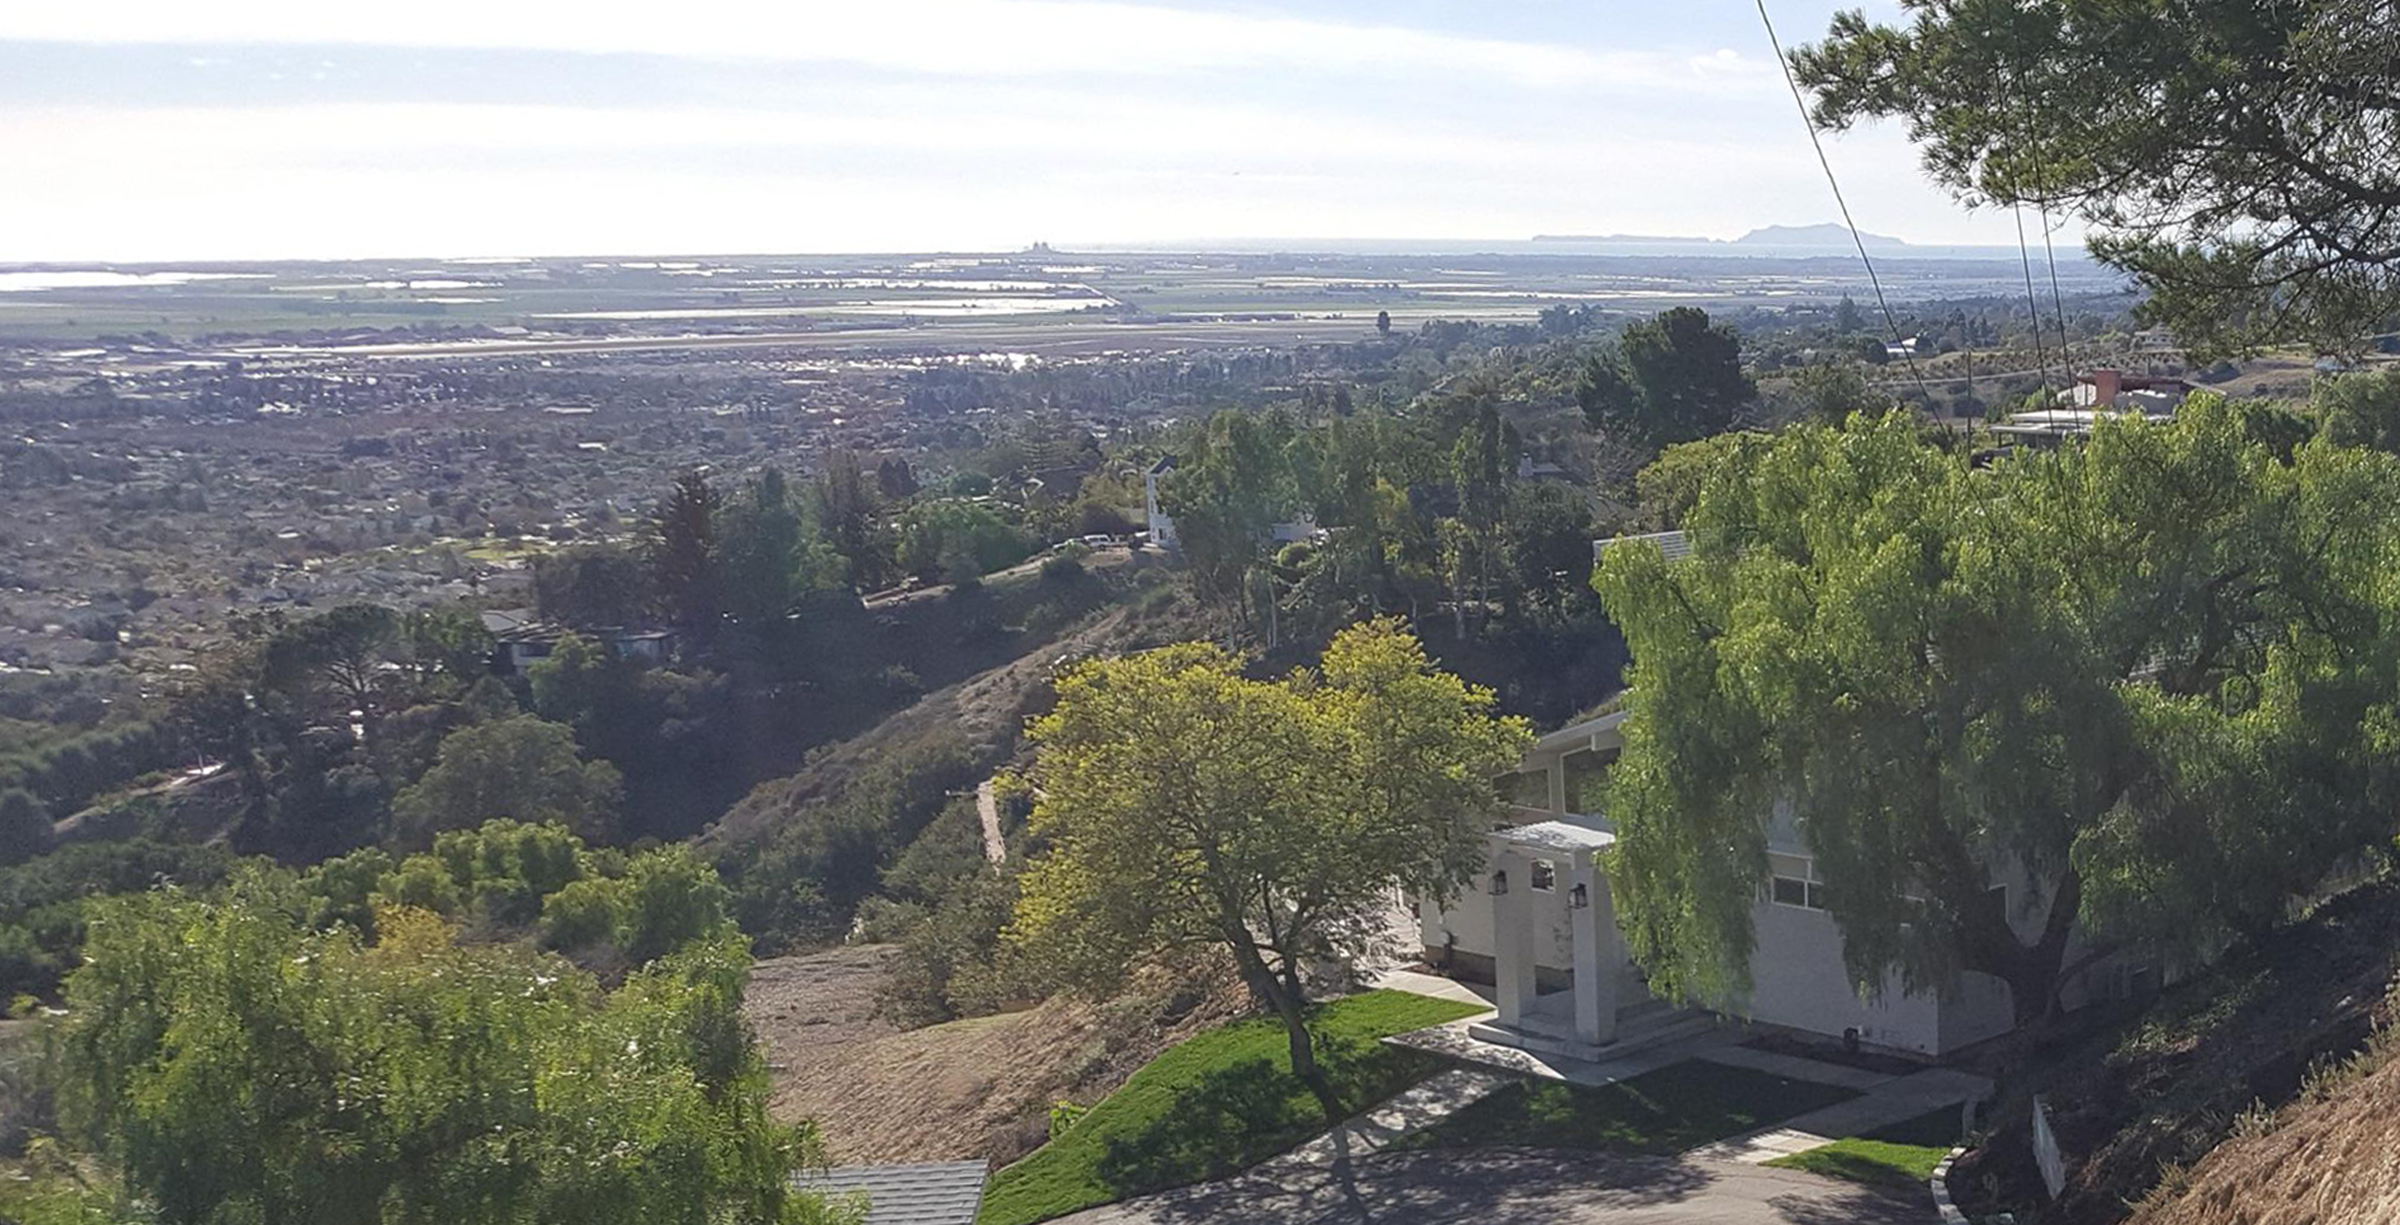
x,y
1558,784
1512,938
1598,952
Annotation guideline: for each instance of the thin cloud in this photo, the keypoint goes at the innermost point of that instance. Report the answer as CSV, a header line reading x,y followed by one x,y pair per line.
x,y
949,37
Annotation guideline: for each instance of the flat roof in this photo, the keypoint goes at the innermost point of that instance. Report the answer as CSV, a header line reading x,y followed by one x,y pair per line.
x,y
1562,836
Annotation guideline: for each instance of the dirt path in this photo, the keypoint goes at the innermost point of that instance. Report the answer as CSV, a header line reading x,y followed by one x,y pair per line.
x,y
1518,1187
987,808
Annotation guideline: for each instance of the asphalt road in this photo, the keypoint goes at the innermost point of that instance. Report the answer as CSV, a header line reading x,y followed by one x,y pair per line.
x,y
1517,1187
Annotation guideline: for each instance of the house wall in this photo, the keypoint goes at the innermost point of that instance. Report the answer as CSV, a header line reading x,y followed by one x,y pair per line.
x,y
1797,981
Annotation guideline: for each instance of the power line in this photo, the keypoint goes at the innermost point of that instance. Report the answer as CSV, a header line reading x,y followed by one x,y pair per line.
x,y
2033,305
1834,183
2058,309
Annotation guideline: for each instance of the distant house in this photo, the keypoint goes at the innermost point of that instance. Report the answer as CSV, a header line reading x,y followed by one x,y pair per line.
x,y
1531,469
2150,393
1540,925
1162,525
928,1193
519,638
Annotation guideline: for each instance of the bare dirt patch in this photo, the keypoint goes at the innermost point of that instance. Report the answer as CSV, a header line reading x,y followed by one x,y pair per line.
x,y
981,1087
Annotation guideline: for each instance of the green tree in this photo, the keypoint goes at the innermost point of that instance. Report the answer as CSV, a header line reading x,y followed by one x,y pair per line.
x,y
1186,805
2265,209
681,542
1669,379
522,767
2361,409
2140,683
1830,391
955,541
769,559
238,1066
25,829
593,586
850,514
1226,495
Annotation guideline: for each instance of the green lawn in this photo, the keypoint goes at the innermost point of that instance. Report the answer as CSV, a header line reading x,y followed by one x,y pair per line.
x,y
1902,1154
1216,1104
1666,1111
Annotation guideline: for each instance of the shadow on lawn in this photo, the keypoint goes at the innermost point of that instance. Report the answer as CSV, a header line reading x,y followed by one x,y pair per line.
x,y
1231,1119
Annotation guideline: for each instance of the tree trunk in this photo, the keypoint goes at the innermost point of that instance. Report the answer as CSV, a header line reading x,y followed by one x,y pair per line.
x,y
1285,999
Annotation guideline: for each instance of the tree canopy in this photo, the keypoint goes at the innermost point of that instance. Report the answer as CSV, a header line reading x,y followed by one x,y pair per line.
x,y
2147,682
522,767
1669,379
2241,160
240,1066
1185,805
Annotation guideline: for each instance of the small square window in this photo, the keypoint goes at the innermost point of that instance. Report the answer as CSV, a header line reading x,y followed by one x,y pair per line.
x,y
1545,876
1816,896
1790,891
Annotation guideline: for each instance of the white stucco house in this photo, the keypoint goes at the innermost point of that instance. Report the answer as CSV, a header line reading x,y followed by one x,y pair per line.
x,y
1540,926
1162,524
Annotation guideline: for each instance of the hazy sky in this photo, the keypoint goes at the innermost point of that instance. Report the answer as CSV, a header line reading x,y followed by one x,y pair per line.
x,y
161,129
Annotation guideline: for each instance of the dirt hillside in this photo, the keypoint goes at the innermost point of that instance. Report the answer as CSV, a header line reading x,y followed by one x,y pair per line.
x,y
975,1088
2335,1162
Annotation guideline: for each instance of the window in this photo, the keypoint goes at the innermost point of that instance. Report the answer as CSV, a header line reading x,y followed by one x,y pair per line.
x,y
1587,778
1545,876
1527,788
1792,891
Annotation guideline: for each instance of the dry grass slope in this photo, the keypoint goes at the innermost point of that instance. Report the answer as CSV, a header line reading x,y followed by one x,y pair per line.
x,y
2332,1162
981,1087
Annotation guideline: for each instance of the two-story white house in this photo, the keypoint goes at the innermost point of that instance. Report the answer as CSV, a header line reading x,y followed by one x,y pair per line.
x,y
1539,925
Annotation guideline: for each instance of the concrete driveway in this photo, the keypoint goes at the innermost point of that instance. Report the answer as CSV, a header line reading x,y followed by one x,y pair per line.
x,y
1521,1187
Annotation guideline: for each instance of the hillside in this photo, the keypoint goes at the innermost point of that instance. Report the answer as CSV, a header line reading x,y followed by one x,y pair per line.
x,y
2332,1162
980,1087
2155,1086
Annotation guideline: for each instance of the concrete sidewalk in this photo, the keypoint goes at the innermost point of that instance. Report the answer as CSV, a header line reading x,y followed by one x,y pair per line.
x,y
1429,1103
1895,1100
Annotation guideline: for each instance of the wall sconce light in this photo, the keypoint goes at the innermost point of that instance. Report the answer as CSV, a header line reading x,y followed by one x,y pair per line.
x,y
1579,898
1499,883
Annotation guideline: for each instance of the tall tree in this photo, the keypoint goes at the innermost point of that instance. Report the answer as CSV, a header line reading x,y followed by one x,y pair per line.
x,y
1187,805
850,516
1669,379
2133,682
682,546
1226,494
2240,163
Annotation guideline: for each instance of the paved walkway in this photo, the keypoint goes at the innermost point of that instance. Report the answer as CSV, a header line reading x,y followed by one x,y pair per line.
x,y
1427,1104
1894,1100
1520,1187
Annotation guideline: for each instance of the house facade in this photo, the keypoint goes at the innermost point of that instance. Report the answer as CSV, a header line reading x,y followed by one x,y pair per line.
x,y
1540,926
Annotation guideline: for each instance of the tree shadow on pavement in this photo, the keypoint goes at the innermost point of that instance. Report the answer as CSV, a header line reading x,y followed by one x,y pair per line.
x,y
1488,1187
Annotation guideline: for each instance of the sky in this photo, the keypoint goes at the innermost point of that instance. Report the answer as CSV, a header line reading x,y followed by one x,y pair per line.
x,y
252,129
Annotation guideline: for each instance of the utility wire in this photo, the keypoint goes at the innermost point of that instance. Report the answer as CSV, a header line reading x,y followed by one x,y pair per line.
x,y
2066,360
1834,183
2033,305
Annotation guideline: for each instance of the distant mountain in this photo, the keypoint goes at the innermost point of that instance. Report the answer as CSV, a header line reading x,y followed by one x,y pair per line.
x,y
1825,235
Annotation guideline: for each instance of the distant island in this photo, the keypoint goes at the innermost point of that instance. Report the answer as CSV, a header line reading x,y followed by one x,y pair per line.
x,y
1826,234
